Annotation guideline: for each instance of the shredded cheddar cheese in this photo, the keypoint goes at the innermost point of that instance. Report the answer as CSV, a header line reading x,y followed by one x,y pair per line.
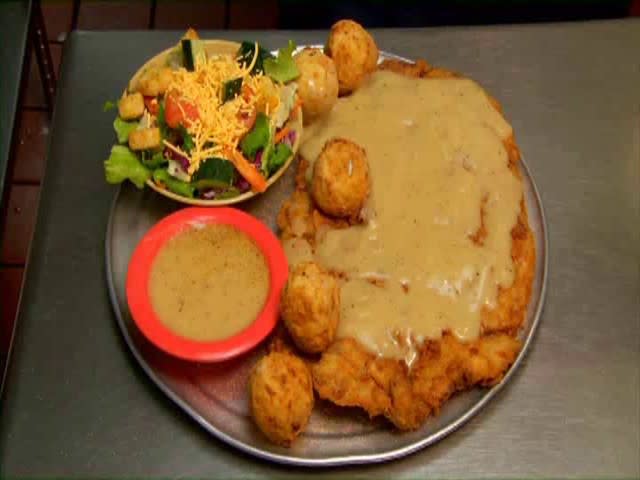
x,y
220,126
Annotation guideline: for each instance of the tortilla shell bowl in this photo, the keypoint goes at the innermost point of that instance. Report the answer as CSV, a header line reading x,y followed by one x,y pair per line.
x,y
214,47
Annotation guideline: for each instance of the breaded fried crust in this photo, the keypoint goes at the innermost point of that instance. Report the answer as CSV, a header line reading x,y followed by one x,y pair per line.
x,y
347,374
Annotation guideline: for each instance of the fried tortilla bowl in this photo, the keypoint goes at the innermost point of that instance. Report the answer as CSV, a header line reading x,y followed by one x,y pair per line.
x,y
349,375
216,47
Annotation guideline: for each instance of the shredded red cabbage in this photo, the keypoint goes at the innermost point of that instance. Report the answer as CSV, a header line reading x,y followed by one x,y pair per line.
x,y
209,194
291,137
242,185
180,159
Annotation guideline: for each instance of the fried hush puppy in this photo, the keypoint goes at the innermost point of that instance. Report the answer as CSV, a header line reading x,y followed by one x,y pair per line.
x,y
354,53
340,182
310,307
317,83
281,396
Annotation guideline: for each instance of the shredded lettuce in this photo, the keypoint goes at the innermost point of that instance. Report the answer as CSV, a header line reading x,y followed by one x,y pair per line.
x,y
258,138
123,129
123,165
181,188
283,68
287,101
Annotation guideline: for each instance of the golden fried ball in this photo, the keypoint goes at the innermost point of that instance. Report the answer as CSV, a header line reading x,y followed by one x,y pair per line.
x,y
310,307
340,182
317,83
354,52
281,396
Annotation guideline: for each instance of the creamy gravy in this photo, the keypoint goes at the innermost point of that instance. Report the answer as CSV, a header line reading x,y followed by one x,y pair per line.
x,y
209,282
437,160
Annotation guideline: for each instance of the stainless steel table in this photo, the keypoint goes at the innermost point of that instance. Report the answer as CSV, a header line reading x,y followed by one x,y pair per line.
x,y
75,401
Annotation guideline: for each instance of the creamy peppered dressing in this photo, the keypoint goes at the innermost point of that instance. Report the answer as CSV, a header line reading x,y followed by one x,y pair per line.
x,y
439,172
209,282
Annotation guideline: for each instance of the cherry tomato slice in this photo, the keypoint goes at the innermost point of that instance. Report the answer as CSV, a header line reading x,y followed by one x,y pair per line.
x,y
179,112
249,119
152,105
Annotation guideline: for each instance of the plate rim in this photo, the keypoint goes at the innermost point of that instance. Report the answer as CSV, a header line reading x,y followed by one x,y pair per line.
x,y
358,459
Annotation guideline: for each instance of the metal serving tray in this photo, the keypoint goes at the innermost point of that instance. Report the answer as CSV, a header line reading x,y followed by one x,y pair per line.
x,y
214,395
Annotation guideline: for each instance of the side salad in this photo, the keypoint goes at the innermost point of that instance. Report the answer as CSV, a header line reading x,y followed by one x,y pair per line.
x,y
209,126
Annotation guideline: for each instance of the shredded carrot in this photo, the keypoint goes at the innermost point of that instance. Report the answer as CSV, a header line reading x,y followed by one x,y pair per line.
x,y
281,134
248,171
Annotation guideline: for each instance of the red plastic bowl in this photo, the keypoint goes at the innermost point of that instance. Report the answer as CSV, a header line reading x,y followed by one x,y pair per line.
x,y
138,284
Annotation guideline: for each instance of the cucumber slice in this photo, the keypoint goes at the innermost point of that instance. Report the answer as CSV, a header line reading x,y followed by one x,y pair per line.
x,y
228,193
231,89
245,56
193,52
214,173
209,183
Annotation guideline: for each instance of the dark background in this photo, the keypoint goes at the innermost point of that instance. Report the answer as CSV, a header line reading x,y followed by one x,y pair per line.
x,y
408,13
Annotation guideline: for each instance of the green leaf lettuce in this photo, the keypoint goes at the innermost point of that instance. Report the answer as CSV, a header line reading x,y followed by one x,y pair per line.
x,y
283,68
153,160
258,138
123,129
279,156
123,165
179,187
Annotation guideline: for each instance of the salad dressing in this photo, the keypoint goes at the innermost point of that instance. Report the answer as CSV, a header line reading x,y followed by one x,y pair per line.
x,y
437,244
209,282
